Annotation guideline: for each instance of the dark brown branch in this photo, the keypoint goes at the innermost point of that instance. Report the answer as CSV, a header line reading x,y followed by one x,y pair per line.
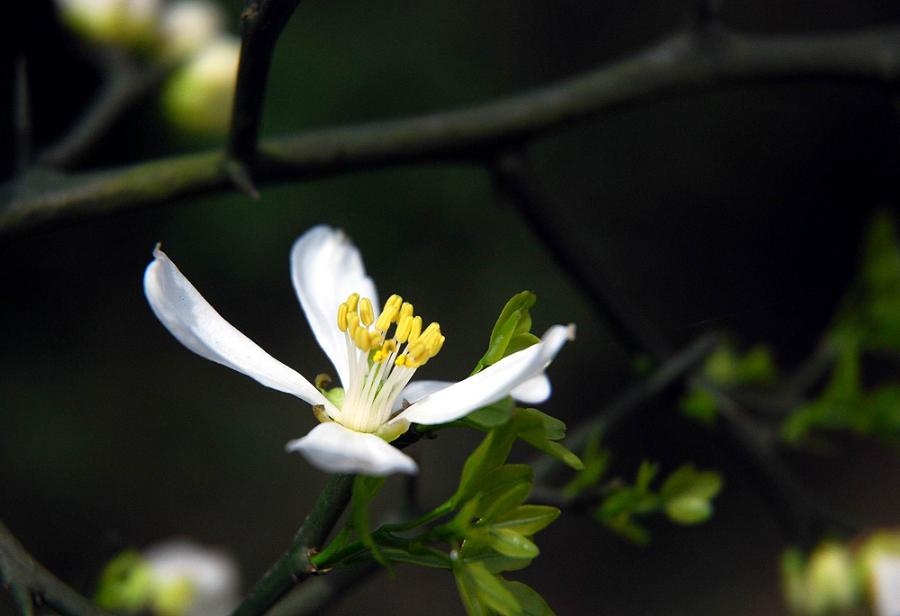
x,y
261,23
25,575
683,63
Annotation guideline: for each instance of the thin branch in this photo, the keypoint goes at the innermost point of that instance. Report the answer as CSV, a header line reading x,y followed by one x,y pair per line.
x,y
125,82
19,570
315,596
633,399
678,65
515,179
261,24
294,565
22,116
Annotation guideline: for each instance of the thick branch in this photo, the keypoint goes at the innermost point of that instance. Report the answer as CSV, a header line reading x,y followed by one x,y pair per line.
x,y
680,64
294,565
20,571
261,23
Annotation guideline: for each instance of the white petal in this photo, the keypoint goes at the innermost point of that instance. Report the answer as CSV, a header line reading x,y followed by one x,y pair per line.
x,y
326,268
332,448
490,384
886,585
535,390
200,328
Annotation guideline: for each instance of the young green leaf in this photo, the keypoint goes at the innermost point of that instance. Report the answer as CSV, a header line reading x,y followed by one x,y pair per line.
x,y
490,591
531,602
510,543
527,519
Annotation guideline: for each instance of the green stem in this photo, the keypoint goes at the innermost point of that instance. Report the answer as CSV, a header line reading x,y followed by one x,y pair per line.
x,y
295,565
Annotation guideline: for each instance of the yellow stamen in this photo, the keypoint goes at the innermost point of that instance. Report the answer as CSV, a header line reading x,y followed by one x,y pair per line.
x,y
352,301
342,317
415,329
361,339
406,310
404,327
366,315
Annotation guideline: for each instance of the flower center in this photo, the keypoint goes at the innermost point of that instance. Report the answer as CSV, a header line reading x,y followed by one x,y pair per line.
x,y
381,365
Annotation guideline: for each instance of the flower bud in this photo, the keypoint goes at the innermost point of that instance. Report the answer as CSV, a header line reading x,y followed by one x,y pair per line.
x,y
198,97
132,24
188,26
879,559
826,583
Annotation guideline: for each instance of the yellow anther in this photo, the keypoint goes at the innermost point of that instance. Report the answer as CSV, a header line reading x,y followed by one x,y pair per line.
x,y
342,317
352,301
352,322
433,329
366,315
404,326
387,316
389,346
437,346
375,339
361,339
401,360
406,310
394,301
415,330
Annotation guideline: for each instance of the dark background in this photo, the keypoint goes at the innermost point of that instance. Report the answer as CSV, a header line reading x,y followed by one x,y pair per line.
x,y
739,210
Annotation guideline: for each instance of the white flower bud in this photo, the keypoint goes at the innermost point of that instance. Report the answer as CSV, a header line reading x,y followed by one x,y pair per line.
x,y
198,97
189,26
192,580
127,23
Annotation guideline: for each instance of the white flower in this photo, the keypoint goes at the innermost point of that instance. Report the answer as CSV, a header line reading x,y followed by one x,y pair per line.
x,y
190,25
190,579
130,23
375,369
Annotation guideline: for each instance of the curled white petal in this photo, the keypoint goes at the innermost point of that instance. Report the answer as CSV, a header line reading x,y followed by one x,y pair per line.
x,y
535,390
326,268
492,383
332,448
196,324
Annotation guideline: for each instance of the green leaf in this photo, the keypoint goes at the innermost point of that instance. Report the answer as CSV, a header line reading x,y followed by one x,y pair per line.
x,y
527,519
478,551
688,481
532,603
688,510
699,404
489,590
543,433
510,543
468,593
646,473
513,321
364,490
596,461
503,489
126,583
490,416
425,558
555,450
521,341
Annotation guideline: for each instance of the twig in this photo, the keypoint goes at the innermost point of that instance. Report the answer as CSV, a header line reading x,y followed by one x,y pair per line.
x,y
22,119
21,571
678,65
321,592
125,82
514,178
261,23
294,565
635,397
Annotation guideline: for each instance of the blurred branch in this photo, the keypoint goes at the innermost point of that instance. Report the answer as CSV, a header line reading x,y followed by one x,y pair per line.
x,y
261,24
698,60
514,178
26,577
802,514
669,372
125,81
22,116
319,593
294,565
